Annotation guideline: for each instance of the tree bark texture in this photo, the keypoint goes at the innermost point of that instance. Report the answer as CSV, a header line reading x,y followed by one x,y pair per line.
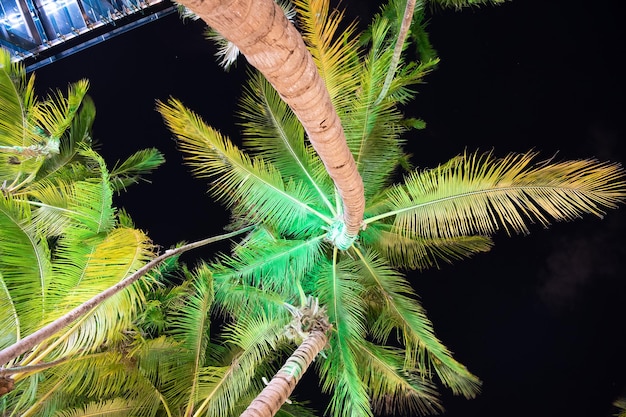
x,y
269,401
273,45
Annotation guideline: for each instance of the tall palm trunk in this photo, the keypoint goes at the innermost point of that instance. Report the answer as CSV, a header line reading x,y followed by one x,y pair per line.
x,y
269,401
272,44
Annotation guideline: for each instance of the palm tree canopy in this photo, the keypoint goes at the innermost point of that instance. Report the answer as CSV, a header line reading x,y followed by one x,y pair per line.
x,y
413,220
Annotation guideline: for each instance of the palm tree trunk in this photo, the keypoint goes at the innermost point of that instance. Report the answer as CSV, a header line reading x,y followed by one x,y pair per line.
x,y
269,401
272,44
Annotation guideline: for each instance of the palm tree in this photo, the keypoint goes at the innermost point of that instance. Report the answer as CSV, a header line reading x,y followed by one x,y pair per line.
x,y
381,353
61,239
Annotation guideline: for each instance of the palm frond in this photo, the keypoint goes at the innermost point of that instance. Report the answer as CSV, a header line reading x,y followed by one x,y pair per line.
x,y
393,388
340,291
255,337
135,167
415,252
118,407
480,194
17,100
24,265
460,4
9,320
272,130
373,127
122,252
272,264
191,325
77,137
56,113
397,308
334,47
254,189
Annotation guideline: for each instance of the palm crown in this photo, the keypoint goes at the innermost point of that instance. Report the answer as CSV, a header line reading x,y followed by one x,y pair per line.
x,y
382,350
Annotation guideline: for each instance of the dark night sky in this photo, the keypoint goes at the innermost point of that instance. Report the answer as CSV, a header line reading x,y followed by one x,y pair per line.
x,y
540,318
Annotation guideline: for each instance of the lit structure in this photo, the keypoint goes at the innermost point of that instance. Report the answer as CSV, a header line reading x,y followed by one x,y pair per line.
x,y
38,32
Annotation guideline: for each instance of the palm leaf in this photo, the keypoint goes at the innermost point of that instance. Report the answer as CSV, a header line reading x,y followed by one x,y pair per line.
x,y
340,291
24,265
254,190
56,113
272,130
132,170
17,99
415,252
255,337
394,389
480,194
271,263
395,307
335,56
122,252
191,325
117,407
77,137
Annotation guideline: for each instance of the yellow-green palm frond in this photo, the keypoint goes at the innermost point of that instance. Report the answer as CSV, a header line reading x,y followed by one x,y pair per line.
x,y
374,127
122,252
393,388
272,130
255,338
191,326
117,407
396,308
55,114
253,189
25,270
406,251
94,379
17,99
77,137
336,57
480,194
340,290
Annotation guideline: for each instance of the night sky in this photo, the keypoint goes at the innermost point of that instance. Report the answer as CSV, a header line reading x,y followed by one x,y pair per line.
x,y
540,319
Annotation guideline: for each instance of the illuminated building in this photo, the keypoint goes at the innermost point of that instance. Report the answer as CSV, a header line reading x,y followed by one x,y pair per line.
x,y
39,32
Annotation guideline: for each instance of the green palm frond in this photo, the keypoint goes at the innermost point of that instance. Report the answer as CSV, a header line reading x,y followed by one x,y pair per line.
x,y
393,388
191,325
271,263
135,167
272,130
415,252
374,127
9,320
24,265
120,254
480,194
255,337
340,291
397,308
254,189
